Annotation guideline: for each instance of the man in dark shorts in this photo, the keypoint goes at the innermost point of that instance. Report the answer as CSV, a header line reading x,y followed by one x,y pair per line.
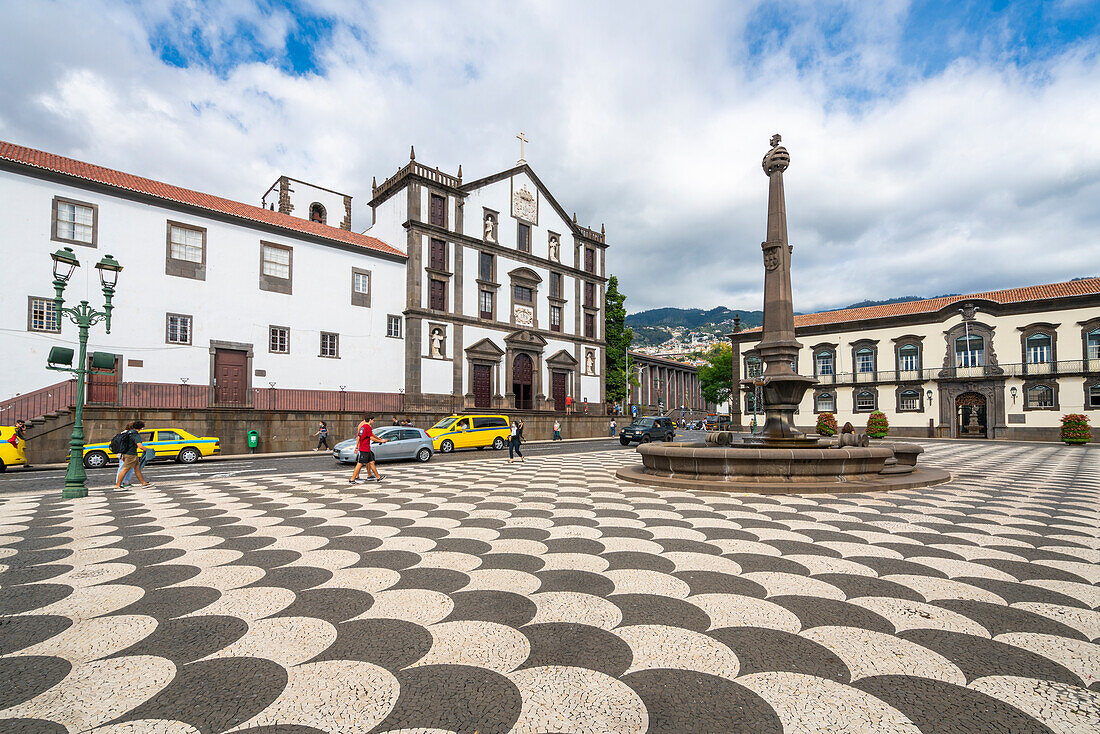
x,y
366,456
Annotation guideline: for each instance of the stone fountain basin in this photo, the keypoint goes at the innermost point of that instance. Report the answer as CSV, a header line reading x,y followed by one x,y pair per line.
x,y
696,465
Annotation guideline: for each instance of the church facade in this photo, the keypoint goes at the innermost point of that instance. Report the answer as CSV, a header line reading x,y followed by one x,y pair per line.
x,y
1000,364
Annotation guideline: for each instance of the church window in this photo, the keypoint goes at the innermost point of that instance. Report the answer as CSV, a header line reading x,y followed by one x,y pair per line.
x,y
909,358
589,260
969,352
486,304
438,259
523,294
74,221
590,295
438,210
317,213
825,403
1040,396
523,237
590,325
1093,344
1038,348
865,360
865,401
555,318
824,363
485,267
909,400
555,285
753,366
437,295
1093,402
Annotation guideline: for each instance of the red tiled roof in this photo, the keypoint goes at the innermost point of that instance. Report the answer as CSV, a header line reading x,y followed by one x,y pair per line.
x,y
78,169
1083,287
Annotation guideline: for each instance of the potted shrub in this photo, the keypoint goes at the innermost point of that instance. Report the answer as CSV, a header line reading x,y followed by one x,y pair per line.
x,y
1075,429
877,425
826,424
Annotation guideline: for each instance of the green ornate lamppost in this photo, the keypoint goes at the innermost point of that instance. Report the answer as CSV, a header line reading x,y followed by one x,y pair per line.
x,y
61,358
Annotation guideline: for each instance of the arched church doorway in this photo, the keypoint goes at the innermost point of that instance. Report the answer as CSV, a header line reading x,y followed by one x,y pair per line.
x,y
523,373
970,416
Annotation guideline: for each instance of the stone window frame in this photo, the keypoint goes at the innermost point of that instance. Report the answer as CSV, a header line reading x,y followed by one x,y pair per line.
x,y
1050,330
430,267
358,298
858,346
817,397
1089,385
30,315
273,283
492,312
873,391
442,283
270,333
908,388
321,345
54,236
529,279
392,319
492,279
595,331
908,340
183,268
520,228
190,328
318,207
976,328
560,279
446,214
561,317
1087,327
824,348
590,287
1050,383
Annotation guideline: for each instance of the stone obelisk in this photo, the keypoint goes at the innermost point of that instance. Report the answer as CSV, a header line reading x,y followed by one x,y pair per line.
x,y
783,388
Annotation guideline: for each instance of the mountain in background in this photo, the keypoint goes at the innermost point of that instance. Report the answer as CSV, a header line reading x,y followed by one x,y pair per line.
x,y
659,325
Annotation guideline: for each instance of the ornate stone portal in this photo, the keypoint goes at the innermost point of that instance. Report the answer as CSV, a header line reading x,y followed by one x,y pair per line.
x,y
780,459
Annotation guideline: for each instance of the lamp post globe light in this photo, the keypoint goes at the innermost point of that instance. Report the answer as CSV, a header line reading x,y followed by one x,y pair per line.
x,y
61,359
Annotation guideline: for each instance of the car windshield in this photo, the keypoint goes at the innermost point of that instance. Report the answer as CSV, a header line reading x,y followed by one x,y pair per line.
x,y
643,423
443,423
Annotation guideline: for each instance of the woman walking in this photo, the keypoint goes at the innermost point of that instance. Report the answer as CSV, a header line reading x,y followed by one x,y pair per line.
x,y
322,436
515,438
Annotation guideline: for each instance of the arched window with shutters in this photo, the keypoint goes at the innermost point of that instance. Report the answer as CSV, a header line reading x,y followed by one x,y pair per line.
x,y
1092,345
866,401
909,401
825,402
1039,397
1037,348
969,351
865,360
909,358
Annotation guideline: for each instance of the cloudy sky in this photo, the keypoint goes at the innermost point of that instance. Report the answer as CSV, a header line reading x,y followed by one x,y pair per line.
x,y
937,147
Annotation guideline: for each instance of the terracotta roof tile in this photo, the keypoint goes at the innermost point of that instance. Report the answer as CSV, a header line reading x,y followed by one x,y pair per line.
x,y
1082,287
117,179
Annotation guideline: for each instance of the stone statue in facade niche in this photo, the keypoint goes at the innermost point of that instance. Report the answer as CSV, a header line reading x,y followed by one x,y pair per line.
x,y
437,343
555,249
590,363
490,228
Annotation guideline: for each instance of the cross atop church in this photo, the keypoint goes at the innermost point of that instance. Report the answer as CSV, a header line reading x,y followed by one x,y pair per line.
x,y
522,137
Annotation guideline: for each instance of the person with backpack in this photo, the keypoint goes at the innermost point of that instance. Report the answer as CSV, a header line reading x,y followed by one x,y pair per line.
x,y
126,446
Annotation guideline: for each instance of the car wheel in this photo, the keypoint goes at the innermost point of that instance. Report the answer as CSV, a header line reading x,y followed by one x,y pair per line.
x,y
3,466
646,439
188,456
498,443
624,441
447,446
424,454
95,460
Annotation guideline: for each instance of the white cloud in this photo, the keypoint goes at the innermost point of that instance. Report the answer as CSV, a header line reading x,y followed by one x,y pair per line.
x,y
650,119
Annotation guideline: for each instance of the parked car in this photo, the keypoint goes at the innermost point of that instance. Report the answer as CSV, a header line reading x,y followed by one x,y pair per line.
x,y
403,442
168,443
10,454
470,431
646,429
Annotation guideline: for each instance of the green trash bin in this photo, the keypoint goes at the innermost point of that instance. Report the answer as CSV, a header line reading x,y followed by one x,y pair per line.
x,y
253,441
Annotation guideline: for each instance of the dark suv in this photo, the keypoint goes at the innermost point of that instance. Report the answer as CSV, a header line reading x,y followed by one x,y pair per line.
x,y
644,430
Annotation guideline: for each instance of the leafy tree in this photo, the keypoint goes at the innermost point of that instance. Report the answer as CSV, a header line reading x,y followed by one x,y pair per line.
x,y
716,376
619,337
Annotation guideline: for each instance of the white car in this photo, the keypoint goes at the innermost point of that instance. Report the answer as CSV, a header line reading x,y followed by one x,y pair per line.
x,y
402,442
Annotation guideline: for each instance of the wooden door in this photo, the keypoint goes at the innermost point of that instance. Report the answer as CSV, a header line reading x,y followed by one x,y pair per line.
x,y
483,386
523,370
102,385
230,377
558,390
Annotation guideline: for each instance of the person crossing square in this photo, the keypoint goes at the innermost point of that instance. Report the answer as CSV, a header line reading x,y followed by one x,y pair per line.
x,y
365,456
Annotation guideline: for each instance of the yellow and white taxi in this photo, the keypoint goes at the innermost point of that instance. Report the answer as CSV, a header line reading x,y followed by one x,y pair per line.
x,y
168,443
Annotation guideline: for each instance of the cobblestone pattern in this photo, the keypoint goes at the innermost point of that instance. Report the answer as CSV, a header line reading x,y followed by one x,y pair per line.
x,y
549,597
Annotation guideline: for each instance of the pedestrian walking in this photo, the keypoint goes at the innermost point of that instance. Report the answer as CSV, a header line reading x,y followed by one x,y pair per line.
x,y
127,445
146,456
322,436
365,456
557,431
611,426
515,438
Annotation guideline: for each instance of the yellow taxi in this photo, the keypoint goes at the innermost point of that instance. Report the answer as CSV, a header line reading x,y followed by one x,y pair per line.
x,y
470,431
168,443
11,454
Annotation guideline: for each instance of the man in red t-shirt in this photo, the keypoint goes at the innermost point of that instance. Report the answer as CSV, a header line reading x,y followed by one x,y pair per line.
x,y
366,456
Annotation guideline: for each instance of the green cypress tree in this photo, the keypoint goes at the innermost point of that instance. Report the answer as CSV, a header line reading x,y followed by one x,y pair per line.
x,y
619,337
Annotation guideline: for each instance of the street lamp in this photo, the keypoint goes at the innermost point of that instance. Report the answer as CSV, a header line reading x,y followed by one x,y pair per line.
x,y
61,359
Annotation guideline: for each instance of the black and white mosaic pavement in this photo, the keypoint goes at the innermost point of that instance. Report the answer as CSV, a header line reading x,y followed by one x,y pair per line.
x,y
550,597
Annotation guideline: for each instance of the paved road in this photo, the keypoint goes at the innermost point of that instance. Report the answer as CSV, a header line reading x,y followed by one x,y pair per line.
x,y
16,481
